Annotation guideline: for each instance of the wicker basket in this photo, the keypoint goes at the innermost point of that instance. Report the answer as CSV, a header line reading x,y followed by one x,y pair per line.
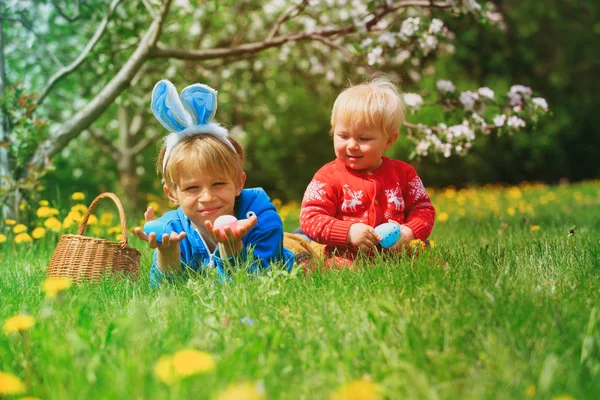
x,y
81,257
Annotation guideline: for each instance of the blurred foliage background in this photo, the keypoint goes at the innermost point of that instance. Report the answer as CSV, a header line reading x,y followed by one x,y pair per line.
x,y
280,110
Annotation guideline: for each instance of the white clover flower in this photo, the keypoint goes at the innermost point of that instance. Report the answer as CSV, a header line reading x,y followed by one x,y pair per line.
x,y
445,87
486,92
409,27
374,56
468,99
436,26
427,43
499,120
413,100
540,103
515,122
388,38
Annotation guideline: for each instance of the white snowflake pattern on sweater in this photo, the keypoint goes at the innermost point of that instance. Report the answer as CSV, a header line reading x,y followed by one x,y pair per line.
x,y
314,191
417,190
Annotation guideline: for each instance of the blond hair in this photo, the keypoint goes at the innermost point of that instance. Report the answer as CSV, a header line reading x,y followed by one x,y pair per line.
x,y
375,104
205,153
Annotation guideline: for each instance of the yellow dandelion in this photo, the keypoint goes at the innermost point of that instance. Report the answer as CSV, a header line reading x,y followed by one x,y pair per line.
x,y
417,243
10,222
29,398
242,391
19,228
115,229
530,391
534,228
79,208
53,211
54,285
106,219
44,212
442,217
361,389
78,196
23,238
191,362
92,220
514,192
164,370
44,203
18,323
432,243
154,205
68,222
38,232
2,238
119,236
563,397
510,211
10,384
277,203
53,223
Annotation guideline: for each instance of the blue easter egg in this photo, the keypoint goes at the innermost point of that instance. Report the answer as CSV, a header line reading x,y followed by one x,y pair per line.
x,y
157,227
389,232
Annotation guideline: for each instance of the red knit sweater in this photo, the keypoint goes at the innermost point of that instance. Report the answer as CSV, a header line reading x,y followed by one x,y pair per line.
x,y
338,197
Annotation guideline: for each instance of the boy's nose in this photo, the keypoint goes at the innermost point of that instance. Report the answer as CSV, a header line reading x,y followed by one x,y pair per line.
x,y
205,195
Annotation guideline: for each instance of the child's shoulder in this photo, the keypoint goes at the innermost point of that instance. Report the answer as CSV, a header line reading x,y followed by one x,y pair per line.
x,y
255,200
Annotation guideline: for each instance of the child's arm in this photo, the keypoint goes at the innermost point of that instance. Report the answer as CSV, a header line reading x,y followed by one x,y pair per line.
x,y
419,212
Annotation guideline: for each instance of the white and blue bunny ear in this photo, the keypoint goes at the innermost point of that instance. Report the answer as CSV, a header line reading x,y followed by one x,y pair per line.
x,y
167,108
201,102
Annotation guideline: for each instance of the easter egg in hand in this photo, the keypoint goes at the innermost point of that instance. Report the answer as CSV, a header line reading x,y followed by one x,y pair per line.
x,y
389,233
157,227
226,221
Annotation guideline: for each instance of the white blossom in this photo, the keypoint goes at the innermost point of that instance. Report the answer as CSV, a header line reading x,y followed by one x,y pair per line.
x,y
486,92
515,122
409,27
463,130
436,26
445,87
468,100
499,120
374,56
540,102
388,38
402,56
413,100
427,43
366,42
422,148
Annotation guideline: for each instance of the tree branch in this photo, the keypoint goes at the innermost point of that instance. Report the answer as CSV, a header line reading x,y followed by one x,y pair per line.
x,y
147,141
109,147
285,17
84,118
65,16
63,72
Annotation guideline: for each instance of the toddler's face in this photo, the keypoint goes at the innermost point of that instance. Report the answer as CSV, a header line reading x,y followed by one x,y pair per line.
x,y
359,148
203,198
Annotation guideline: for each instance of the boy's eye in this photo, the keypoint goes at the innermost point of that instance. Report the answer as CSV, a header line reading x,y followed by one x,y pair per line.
x,y
219,183
364,139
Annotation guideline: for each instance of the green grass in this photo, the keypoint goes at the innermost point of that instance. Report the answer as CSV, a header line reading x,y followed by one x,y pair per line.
x,y
513,308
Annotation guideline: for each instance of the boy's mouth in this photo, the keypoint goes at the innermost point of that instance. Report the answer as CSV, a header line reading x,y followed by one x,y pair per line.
x,y
209,211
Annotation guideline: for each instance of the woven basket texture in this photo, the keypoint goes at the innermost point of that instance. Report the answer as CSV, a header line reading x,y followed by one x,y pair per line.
x,y
81,257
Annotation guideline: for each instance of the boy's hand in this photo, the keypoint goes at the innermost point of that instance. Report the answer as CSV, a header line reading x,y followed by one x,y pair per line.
x,y
362,236
170,243
231,239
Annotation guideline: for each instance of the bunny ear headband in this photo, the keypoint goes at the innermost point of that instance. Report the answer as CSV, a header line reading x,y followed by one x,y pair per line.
x,y
187,114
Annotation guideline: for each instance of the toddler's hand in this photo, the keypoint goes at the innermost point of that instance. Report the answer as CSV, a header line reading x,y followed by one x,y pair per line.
x,y
406,235
170,243
362,236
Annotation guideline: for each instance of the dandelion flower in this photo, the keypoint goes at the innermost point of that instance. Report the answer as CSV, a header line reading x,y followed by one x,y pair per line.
x,y
54,285
53,223
154,205
80,208
243,391
44,203
92,220
442,217
44,212
10,384
191,362
164,370
417,243
2,238
38,232
10,222
510,211
535,228
23,238
361,389
432,243
563,397
78,196
530,391
19,228
18,323
106,219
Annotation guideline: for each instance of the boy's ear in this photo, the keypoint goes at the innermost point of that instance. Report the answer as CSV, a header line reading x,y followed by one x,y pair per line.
x,y
242,183
170,195
393,137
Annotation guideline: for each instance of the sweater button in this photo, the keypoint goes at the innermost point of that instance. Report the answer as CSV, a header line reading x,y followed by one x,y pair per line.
x,y
376,202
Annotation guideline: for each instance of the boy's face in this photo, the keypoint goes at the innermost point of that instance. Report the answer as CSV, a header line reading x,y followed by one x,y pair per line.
x,y
360,148
203,198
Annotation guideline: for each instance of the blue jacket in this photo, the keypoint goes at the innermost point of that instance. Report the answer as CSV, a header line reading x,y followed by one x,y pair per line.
x,y
263,243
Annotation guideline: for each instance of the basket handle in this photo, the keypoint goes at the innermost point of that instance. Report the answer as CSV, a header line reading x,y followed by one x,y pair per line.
x,y
121,215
